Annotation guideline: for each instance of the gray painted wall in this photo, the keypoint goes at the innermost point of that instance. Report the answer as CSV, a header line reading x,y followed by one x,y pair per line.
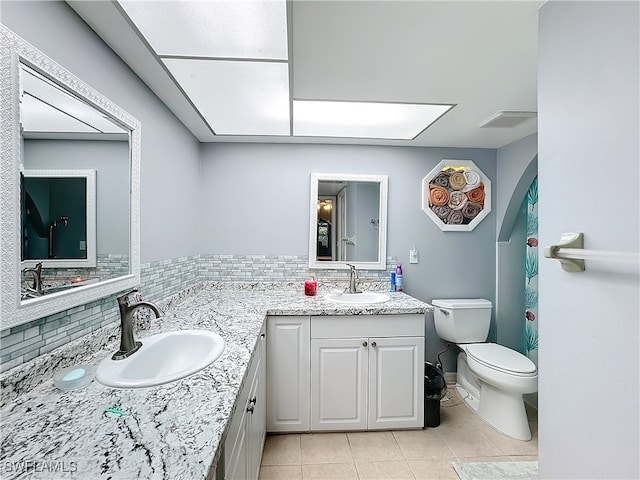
x,y
517,167
589,55
510,286
256,200
169,164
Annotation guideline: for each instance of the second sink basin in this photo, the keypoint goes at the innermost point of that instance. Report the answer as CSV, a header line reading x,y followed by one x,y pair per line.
x,y
163,358
357,298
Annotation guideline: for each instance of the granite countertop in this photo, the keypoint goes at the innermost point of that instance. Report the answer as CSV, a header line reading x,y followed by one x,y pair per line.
x,y
171,431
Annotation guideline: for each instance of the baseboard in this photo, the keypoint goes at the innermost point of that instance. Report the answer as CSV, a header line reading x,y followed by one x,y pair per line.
x,y
450,378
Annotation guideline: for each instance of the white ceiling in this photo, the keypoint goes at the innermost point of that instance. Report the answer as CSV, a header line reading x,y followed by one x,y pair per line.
x,y
480,56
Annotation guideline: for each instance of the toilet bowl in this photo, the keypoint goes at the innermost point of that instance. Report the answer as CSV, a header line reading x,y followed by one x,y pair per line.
x,y
490,378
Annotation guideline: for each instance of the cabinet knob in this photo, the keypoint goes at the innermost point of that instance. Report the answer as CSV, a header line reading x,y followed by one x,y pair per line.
x,y
253,401
364,344
374,344
250,409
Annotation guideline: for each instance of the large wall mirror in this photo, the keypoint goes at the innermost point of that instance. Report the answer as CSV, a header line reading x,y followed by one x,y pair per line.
x,y
70,173
348,221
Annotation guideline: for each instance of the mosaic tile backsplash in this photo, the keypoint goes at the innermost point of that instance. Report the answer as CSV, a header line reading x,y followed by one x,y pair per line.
x,y
159,280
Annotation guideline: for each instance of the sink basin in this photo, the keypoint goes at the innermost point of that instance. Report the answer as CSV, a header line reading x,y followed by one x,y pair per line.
x,y
357,298
163,358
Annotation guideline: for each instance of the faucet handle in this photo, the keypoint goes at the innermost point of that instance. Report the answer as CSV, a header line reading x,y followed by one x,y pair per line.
x,y
353,270
124,298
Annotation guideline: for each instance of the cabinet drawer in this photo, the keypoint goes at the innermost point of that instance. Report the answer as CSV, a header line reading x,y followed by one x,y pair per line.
x,y
347,326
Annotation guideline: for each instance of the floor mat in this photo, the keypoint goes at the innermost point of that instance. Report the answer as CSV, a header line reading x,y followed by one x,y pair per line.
x,y
496,470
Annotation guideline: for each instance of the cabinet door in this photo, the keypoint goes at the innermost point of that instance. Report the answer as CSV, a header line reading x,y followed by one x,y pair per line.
x,y
257,413
396,382
288,374
246,435
339,384
236,468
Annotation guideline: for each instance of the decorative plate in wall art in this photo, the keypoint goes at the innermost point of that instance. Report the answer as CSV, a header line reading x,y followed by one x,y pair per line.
x,y
456,195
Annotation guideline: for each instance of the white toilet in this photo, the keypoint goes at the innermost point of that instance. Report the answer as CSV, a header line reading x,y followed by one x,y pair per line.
x,y
490,378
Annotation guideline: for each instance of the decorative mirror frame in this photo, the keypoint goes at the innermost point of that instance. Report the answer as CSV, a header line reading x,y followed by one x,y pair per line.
x,y
13,51
90,176
460,165
383,181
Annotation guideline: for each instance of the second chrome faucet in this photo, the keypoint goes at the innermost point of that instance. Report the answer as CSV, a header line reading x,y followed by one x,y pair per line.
x,y
353,276
128,307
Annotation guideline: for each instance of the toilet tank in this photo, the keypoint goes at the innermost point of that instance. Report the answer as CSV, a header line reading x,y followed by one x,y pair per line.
x,y
462,320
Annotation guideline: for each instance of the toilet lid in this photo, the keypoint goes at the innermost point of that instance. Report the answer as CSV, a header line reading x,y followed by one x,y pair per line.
x,y
502,358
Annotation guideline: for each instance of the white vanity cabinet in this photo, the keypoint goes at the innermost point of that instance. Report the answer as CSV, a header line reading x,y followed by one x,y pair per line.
x,y
345,372
246,436
367,372
288,373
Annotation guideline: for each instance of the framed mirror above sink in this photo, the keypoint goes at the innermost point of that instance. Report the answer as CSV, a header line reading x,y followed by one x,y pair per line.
x,y
55,125
348,221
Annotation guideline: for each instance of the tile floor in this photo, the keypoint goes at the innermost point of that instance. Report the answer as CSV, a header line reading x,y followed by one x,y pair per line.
x,y
411,454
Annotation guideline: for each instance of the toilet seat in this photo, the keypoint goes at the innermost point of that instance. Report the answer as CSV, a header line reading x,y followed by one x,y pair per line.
x,y
502,359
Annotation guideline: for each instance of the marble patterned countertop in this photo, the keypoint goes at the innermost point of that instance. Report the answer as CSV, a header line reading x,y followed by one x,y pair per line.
x,y
171,431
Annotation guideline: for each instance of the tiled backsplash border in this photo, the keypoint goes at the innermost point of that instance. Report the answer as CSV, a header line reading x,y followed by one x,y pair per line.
x,y
276,268
158,281
24,342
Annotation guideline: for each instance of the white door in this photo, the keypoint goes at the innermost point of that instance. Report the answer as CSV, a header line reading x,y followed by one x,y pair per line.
x,y
341,221
339,384
396,382
288,370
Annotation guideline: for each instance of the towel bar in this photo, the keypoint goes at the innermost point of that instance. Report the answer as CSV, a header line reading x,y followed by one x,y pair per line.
x,y
571,254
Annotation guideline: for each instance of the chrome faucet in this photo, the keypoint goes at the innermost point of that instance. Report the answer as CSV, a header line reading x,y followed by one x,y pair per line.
x,y
128,345
353,276
37,278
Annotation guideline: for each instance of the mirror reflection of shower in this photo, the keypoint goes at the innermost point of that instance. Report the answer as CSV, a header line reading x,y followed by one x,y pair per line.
x,y
55,215
65,220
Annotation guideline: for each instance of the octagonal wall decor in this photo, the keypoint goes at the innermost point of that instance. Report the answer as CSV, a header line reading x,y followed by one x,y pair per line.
x,y
456,194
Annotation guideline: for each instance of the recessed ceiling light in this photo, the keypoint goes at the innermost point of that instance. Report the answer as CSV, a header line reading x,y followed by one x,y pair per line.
x,y
237,98
212,29
392,121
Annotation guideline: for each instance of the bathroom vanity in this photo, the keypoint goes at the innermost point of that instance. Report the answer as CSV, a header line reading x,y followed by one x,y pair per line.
x,y
345,372
212,424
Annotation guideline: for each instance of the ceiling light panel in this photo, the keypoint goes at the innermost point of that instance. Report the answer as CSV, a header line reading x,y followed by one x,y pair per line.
x,y
392,121
40,117
237,98
213,29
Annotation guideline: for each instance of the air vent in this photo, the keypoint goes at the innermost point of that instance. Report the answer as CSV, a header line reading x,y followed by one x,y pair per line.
x,y
507,119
